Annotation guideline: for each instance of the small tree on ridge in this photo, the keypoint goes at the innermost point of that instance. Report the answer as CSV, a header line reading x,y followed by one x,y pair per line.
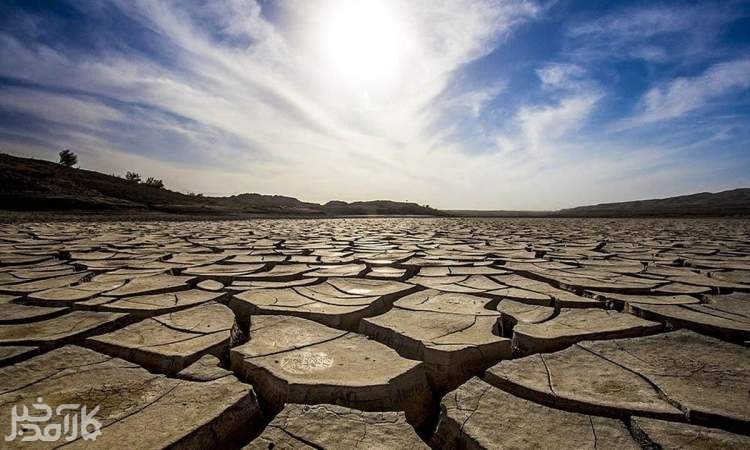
x,y
68,158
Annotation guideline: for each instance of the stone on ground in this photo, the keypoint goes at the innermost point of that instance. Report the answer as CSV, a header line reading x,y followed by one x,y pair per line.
x,y
680,288
241,286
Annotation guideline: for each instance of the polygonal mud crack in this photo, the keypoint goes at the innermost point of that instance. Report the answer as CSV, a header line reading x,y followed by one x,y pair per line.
x,y
293,360
136,408
338,303
676,376
451,333
444,294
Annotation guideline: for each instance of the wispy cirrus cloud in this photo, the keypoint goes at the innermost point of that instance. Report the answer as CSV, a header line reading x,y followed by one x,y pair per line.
x,y
543,128
561,75
683,95
655,33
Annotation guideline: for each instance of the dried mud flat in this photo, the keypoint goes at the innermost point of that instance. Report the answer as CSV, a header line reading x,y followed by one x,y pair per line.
x,y
383,333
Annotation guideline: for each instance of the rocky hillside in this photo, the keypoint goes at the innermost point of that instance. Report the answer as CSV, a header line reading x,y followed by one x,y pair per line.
x,y
726,203
35,185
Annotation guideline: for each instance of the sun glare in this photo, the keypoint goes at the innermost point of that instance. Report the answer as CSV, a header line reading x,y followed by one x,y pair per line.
x,y
363,41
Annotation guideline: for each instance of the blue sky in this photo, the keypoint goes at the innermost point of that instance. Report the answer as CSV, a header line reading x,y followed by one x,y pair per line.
x,y
457,104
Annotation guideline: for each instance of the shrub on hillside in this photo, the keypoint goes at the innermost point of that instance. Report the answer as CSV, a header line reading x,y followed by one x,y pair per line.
x,y
151,181
133,176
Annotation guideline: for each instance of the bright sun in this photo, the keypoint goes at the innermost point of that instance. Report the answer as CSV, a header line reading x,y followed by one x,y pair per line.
x,y
363,41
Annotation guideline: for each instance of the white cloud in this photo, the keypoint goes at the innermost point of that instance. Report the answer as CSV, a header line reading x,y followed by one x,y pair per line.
x,y
640,23
654,33
683,95
543,132
544,127
561,75
53,107
474,101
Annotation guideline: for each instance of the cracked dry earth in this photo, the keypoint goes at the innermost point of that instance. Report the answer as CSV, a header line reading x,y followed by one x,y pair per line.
x,y
382,333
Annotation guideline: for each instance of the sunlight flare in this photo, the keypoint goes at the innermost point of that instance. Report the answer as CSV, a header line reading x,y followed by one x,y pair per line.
x,y
362,42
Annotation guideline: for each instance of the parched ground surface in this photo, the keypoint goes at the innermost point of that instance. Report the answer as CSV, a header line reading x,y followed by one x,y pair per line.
x,y
382,333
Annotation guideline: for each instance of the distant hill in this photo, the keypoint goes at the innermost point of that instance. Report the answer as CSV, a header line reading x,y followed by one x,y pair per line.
x,y
498,213
36,185
726,203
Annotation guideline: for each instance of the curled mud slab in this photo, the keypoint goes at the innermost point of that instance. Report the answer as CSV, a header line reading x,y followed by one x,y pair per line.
x,y
480,416
574,325
170,342
300,361
68,328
